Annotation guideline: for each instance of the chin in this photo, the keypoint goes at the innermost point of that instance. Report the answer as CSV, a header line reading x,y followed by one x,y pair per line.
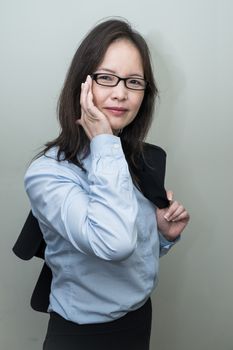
x,y
117,126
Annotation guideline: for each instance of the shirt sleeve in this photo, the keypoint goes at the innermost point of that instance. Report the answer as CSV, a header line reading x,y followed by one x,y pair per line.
x,y
100,220
166,245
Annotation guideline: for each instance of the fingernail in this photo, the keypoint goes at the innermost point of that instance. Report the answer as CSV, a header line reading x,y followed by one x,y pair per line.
x,y
166,217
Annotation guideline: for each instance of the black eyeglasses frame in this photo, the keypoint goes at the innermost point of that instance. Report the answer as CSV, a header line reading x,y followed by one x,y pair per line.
x,y
95,75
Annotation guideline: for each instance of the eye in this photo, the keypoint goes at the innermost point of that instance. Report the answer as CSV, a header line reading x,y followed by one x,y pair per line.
x,y
105,77
136,82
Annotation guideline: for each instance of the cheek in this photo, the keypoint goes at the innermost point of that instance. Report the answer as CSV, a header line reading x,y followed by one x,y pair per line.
x,y
135,108
138,103
95,96
98,96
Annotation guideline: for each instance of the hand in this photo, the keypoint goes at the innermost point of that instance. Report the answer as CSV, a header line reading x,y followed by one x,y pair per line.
x,y
171,221
93,121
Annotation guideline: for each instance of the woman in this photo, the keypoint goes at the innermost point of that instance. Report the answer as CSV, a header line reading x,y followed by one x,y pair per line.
x,y
103,236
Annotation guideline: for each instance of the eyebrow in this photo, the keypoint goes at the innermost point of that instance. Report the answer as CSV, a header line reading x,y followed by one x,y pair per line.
x,y
113,72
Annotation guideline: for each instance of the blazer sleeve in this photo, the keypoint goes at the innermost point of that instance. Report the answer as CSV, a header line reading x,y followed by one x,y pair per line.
x,y
30,241
151,174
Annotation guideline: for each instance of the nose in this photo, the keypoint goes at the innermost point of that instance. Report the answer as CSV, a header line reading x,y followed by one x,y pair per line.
x,y
120,91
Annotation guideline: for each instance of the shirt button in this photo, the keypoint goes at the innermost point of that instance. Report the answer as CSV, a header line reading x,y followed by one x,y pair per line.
x,y
116,146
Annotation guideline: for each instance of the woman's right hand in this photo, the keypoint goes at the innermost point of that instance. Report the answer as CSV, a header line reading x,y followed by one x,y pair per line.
x,y
93,121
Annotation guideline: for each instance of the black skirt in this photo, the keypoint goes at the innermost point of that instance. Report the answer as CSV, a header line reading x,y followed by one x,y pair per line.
x,y
130,332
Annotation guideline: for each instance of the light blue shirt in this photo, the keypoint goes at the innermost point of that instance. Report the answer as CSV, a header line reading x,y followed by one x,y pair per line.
x,y
103,245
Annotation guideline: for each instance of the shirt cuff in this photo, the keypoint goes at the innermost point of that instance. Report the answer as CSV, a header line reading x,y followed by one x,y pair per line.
x,y
106,145
166,245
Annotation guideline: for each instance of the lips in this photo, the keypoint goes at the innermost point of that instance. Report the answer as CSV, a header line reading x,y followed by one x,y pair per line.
x,y
112,108
116,110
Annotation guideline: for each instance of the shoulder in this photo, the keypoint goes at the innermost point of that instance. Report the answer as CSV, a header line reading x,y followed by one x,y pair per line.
x,y
48,165
153,155
149,148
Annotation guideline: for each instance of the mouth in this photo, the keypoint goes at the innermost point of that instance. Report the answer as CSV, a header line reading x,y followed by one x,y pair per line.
x,y
116,110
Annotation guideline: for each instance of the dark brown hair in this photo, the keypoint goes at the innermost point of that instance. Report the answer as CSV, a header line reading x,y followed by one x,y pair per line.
x,y
72,140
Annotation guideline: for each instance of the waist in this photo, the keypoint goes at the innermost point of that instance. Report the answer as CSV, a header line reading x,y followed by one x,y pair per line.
x,y
138,319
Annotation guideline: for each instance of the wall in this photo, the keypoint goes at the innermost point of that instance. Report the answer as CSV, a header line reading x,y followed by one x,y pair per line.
x,y
191,44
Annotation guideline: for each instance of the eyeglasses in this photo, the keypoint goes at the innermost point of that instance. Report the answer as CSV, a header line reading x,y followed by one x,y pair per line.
x,y
111,80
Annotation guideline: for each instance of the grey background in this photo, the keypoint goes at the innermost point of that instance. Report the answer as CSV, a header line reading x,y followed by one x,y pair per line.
x,y
191,44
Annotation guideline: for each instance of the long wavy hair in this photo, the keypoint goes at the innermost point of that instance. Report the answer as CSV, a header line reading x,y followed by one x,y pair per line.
x,y
72,141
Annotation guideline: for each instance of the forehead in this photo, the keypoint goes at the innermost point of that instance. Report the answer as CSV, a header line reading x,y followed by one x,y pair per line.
x,y
122,57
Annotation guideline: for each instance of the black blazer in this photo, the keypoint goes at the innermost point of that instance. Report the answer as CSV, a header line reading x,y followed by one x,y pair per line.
x,y
151,175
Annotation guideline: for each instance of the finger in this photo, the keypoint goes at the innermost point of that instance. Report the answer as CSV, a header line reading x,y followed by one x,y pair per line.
x,y
183,216
176,213
171,210
92,110
89,96
82,95
89,80
169,195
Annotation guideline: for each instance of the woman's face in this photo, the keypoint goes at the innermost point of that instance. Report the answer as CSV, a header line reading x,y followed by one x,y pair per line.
x,y
118,103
